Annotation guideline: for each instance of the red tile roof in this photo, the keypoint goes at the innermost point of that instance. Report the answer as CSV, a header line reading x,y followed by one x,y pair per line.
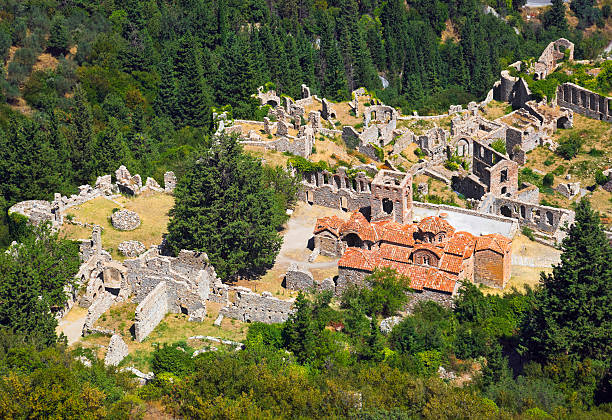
x,y
331,224
494,242
395,252
359,225
461,243
432,248
361,259
398,234
451,263
435,225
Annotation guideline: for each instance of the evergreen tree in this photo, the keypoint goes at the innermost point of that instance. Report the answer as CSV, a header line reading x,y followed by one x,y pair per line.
x,y
34,274
237,76
373,346
110,150
58,37
333,72
80,136
555,17
193,96
299,332
223,209
165,102
572,306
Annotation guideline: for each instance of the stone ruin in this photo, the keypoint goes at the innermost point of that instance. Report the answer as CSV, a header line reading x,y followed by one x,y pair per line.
x,y
298,278
252,307
125,220
116,352
38,211
569,189
131,249
550,58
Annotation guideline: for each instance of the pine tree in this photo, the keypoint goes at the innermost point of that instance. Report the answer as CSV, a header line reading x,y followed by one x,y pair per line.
x,y
572,306
223,209
555,17
193,95
58,37
34,275
412,87
165,102
237,76
373,346
299,331
110,150
80,136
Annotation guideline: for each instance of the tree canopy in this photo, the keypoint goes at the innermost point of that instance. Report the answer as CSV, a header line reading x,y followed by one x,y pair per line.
x,y
225,208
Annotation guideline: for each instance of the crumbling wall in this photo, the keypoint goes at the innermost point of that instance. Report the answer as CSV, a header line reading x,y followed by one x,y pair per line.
x,y
336,191
151,311
584,102
545,219
298,278
252,307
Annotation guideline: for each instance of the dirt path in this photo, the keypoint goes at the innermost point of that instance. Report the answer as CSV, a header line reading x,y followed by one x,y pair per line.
x,y
72,324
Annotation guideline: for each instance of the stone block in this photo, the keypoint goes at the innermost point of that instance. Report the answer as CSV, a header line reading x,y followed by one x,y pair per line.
x,y
125,220
298,278
117,351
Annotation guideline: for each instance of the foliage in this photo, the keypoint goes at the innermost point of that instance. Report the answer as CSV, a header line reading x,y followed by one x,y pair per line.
x,y
35,273
499,145
568,316
175,359
600,178
224,209
548,179
528,232
303,165
569,147
385,294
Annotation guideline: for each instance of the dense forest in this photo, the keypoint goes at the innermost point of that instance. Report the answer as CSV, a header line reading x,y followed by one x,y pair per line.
x,y
135,82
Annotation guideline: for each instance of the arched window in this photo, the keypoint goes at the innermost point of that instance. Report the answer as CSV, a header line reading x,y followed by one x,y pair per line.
x,y
387,206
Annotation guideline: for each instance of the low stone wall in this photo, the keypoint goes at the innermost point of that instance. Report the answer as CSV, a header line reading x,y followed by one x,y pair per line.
x,y
298,278
252,307
102,304
444,299
151,311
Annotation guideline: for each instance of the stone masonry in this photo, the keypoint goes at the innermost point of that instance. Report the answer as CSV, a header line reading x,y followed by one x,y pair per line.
x,y
252,307
151,311
298,278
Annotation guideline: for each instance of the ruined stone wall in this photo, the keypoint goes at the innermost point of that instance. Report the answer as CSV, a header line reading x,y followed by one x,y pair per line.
x,y
252,307
328,245
503,178
444,299
151,311
528,193
348,277
336,191
584,102
548,220
510,89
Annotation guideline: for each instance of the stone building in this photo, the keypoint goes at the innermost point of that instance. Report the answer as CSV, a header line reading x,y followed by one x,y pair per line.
x,y
492,172
492,259
584,102
431,253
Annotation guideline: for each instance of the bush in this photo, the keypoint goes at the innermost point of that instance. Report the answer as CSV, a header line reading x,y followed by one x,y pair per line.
x,y
548,180
386,296
175,359
528,232
549,160
271,334
600,178
569,147
499,146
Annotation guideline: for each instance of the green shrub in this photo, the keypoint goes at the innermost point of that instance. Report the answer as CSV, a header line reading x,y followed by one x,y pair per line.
x,y
451,166
174,358
549,160
548,180
499,146
419,153
600,178
271,334
569,147
596,152
528,232
559,170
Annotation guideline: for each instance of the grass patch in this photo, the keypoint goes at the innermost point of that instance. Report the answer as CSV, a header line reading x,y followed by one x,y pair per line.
x,y
152,208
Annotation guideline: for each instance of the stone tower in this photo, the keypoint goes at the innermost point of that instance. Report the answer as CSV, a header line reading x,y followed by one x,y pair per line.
x,y
391,196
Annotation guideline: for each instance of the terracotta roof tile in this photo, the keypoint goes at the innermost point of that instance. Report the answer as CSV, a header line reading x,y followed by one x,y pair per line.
x,y
359,225
434,249
362,259
460,243
395,252
494,242
435,225
332,224
451,263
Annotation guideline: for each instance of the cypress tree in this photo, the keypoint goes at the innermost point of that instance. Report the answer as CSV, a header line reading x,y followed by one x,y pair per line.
x,y
299,332
80,136
572,306
165,102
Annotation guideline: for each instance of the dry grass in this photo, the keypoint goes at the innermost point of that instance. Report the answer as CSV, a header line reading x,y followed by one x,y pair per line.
x,y
173,328
596,135
496,109
439,189
420,126
326,147
152,208
45,61
450,32
271,157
